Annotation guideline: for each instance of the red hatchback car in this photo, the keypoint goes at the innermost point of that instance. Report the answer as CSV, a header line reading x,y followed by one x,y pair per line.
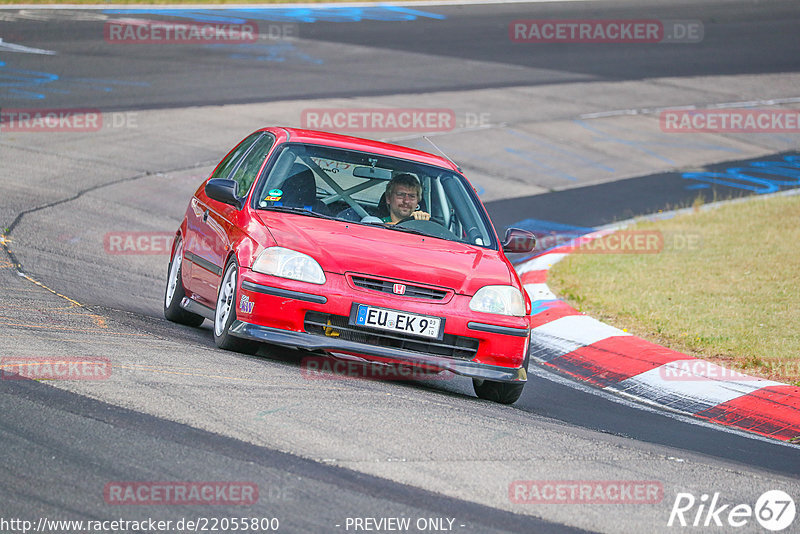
x,y
337,244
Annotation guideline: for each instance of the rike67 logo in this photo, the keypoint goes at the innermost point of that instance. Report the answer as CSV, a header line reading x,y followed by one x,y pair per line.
x,y
774,510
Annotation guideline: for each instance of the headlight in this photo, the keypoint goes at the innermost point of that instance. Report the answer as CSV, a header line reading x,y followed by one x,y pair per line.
x,y
503,300
287,263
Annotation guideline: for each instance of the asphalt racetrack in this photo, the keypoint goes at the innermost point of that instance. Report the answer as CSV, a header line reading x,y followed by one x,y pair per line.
x,y
553,135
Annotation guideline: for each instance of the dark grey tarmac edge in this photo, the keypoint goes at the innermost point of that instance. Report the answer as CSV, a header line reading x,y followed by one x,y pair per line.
x,y
180,435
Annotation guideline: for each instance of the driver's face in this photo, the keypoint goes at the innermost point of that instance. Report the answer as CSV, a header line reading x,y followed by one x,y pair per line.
x,y
402,202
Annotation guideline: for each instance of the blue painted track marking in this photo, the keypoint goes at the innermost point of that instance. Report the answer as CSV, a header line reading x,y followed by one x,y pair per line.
x,y
276,53
21,84
539,225
386,13
756,185
692,187
539,306
17,81
760,177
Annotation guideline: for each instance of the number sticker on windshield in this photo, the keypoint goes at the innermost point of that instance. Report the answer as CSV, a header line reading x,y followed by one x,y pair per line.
x,y
274,195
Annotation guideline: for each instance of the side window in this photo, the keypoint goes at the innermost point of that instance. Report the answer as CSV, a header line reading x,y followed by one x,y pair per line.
x,y
229,163
247,172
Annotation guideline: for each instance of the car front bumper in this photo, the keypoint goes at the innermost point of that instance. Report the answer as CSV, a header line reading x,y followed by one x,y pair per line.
x,y
298,314
308,341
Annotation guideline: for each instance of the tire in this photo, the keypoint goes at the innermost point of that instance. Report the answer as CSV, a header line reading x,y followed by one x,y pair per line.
x,y
225,313
174,292
502,392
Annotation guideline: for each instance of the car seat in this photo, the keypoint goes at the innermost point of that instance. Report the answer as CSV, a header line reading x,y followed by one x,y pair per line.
x,y
300,190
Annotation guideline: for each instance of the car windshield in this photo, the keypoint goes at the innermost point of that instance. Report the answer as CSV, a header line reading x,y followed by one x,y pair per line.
x,y
352,186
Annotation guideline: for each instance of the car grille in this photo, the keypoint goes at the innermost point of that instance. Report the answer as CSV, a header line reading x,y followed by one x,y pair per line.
x,y
459,347
387,286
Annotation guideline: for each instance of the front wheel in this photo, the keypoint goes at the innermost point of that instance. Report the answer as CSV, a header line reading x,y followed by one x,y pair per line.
x,y
502,392
225,314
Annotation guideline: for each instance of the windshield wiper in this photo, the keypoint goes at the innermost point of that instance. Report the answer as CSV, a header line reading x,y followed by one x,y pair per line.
x,y
406,229
299,211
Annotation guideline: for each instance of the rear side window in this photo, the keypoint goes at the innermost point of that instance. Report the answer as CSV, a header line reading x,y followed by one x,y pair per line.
x,y
228,164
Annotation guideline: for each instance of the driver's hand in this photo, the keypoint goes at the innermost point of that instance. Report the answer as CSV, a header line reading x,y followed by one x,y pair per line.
x,y
421,215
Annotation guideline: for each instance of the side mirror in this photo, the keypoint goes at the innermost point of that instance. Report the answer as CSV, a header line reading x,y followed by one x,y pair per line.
x,y
518,241
224,191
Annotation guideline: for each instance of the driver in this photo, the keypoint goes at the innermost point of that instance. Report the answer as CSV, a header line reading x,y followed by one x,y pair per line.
x,y
403,193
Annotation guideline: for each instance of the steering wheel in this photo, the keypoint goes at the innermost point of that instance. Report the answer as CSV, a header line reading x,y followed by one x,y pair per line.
x,y
433,227
436,220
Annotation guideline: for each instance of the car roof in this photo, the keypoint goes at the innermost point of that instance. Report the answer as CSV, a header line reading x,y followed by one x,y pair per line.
x,y
368,145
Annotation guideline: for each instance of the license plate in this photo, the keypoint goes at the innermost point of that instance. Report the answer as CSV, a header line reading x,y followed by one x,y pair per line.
x,y
398,321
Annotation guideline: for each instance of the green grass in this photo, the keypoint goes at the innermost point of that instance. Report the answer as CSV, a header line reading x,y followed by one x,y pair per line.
x,y
726,286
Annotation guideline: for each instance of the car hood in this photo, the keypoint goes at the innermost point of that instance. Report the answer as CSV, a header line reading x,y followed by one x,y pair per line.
x,y
342,247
